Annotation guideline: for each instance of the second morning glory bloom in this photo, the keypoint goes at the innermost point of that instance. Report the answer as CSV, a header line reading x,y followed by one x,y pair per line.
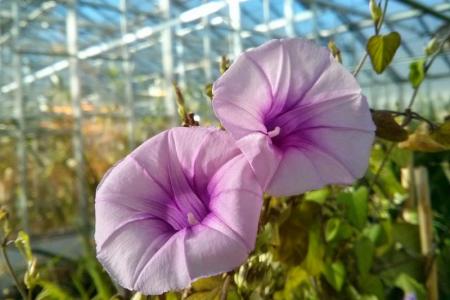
x,y
298,116
183,205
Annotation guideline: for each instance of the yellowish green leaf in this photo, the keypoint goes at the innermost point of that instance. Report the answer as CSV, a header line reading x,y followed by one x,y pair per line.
x,y
206,284
382,49
422,142
417,72
442,134
23,244
314,259
375,11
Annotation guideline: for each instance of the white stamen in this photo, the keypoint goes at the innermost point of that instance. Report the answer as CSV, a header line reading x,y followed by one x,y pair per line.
x,y
273,133
191,219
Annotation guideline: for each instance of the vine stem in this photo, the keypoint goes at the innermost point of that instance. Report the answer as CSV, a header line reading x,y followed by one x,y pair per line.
x,y
380,168
377,31
426,68
11,270
226,284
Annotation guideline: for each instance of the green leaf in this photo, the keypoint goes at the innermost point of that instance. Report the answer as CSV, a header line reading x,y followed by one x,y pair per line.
x,y
409,284
171,296
432,47
374,232
332,229
364,251
375,11
314,259
23,244
296,277
209,295
337,230
318,196
381,49
207,284
372,285
335,275
356,207
417,72
51,291
442,134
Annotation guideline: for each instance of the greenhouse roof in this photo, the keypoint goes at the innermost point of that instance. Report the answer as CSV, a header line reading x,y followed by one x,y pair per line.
x,y
183,40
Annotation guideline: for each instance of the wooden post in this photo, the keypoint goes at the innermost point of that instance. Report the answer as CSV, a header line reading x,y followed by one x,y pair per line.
x,y
426,231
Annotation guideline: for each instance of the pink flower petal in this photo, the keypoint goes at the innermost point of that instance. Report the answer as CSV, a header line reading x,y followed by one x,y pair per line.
x,y
183,205
294,112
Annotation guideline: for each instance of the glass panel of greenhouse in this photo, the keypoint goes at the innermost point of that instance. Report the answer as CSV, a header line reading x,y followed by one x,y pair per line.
x,y
225,149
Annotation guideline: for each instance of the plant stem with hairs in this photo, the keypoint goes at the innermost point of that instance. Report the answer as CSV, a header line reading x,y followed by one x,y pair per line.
x,y
377,31
426,68
226,284
10,269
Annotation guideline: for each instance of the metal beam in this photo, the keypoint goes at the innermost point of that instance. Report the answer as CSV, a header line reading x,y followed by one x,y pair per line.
x,y
167,63
21,150
127,69
145,32
426,9
75,96
235,23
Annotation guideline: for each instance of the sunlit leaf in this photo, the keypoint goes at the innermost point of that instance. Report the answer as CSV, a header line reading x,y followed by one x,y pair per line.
x,y
335,274
318,196
381,49
417,72
23,244
51,291
206,284
422,142
314,259
337,229
295,278
209,295
375,11
332,229
432,46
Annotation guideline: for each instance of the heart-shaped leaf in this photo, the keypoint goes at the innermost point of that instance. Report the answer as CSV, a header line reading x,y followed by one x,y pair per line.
x,y
381,49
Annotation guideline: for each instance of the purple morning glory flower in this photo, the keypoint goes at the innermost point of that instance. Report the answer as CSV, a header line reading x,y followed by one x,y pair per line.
x,y
183,205
410,296
297,115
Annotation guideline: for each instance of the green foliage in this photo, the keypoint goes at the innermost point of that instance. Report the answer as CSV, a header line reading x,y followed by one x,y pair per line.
x,y
52,291
381,49
375,11
364,251
417,72
356,206
335,274
409,284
